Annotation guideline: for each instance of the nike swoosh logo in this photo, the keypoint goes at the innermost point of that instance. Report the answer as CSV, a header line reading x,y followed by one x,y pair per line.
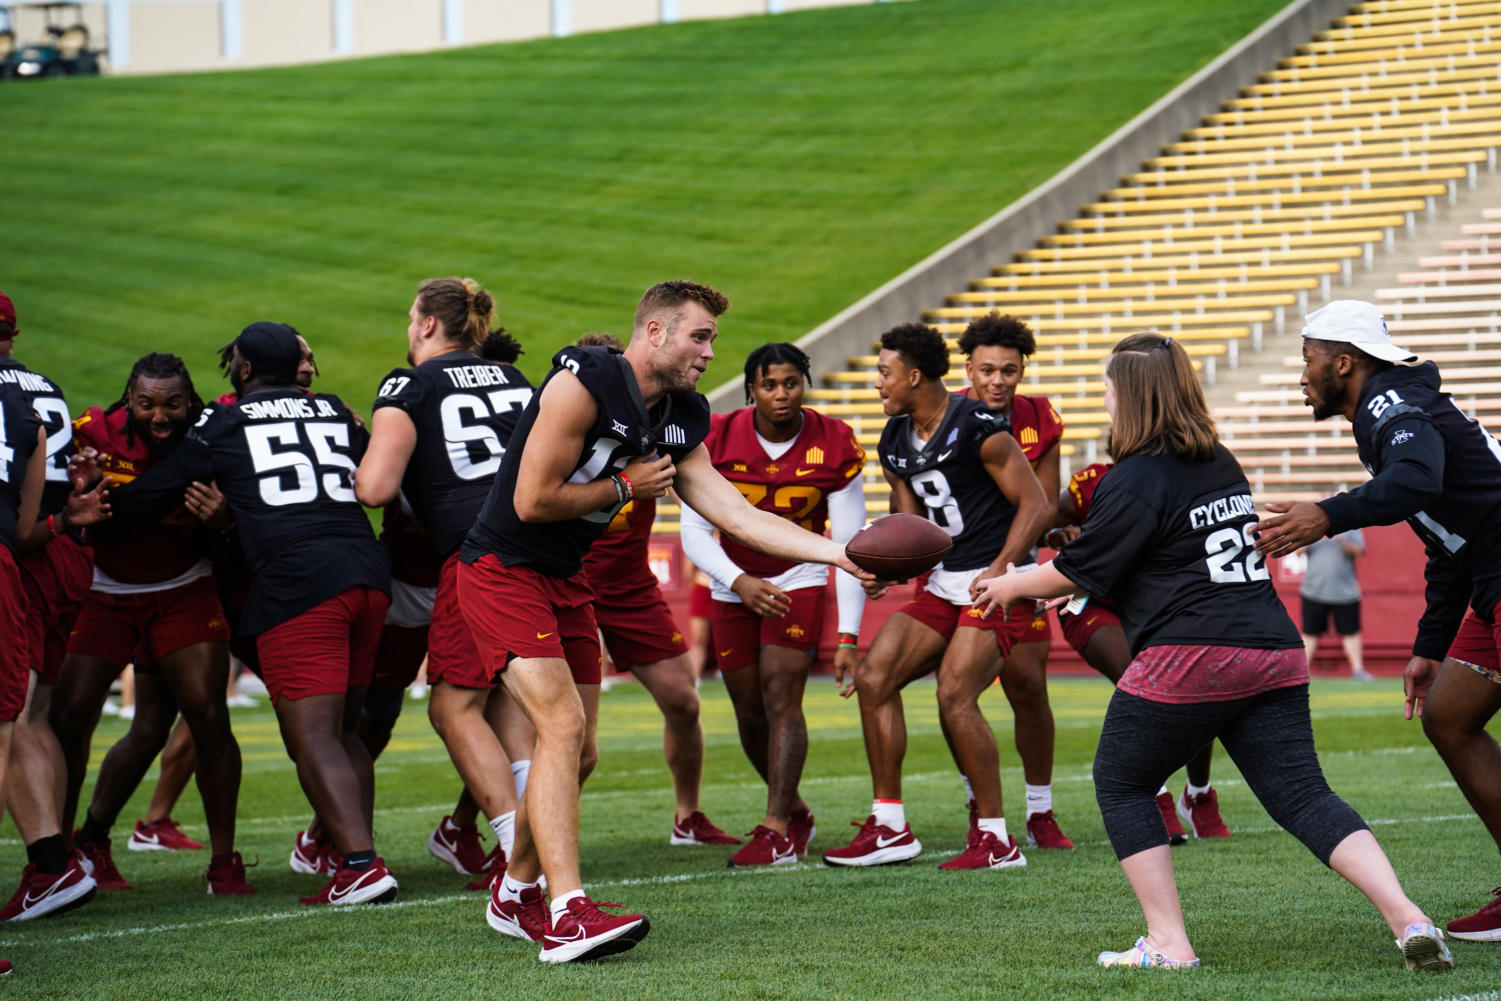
x,y
726,653
997,861
804,472
334,895
884,842
777,856
154,839
30,900
575,937
543,636
945,455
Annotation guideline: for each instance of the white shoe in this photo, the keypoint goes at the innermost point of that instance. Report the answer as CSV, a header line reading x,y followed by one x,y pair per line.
x,y
418,691
127,712
241,701
110,708
1361,675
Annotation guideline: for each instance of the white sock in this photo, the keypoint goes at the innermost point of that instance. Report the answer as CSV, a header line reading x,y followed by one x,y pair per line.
x,y
1194,790
890,813
510,889
560,904
519,771
969,790
504,827
995,825
1039,799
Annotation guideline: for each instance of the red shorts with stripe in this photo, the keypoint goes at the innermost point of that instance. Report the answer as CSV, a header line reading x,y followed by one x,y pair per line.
x,y
57,578
637,625
121,628
739,633
517,613
452,656
943,617
1080,629
398,657
15,650
327,650
1478,642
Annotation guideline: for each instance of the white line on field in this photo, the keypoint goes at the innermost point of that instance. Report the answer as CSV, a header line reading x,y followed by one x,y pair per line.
x,y
1482,996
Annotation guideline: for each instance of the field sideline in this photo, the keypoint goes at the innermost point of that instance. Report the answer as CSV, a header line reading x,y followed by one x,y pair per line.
x,y
1268,920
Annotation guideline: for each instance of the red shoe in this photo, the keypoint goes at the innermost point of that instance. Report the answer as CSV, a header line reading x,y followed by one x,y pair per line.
x,y
1043,832
586,932
1202,814
1482,926
802,830
41,893
988,852
161,836
875,845
1175,833
696,829
458,846
97,862
5,967
495,867
766,847
227,878
313,856
524,919
374,885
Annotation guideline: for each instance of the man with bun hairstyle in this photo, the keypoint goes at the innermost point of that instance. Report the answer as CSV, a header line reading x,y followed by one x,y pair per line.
x,y
1437,468
437,434
285,461
605,428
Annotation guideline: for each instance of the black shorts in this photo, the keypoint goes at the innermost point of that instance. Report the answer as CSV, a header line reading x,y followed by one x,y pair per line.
x,y
1316,617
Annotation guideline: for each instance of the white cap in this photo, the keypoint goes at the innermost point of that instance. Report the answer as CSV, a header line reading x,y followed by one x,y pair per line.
x,y
1357,323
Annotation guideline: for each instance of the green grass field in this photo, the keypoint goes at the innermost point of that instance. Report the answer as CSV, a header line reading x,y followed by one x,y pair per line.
x,y
1269,921
795,161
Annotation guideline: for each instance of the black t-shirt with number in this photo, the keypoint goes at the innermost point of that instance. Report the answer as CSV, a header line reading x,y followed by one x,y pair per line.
x,y
623,430
285,462
948,476
1172,542
18,424
465,409
47,400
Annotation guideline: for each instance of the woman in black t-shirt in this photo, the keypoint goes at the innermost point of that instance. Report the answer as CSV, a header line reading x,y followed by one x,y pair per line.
x,y
1171,537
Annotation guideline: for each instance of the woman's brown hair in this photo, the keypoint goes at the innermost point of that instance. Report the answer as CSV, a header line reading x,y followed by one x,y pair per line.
x,y
1159,404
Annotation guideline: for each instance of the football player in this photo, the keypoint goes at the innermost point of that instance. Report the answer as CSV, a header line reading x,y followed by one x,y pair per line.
x,y
951,459
768,613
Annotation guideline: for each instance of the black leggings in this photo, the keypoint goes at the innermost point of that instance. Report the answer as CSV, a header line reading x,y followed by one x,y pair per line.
x,y
1269,738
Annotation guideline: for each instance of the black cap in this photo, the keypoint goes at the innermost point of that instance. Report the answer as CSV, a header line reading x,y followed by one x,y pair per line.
x,y
271,349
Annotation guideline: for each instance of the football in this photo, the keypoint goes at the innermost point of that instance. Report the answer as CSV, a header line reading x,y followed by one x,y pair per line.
x,y
899,547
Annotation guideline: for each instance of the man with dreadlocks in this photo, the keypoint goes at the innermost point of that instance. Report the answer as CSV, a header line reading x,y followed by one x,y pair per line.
x,y
153,600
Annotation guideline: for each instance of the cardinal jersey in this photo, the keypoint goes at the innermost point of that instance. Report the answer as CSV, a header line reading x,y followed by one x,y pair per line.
x,y
47,400
1082,485
617,561
18,426
1035,424
152,553
622,430
948,476
823,458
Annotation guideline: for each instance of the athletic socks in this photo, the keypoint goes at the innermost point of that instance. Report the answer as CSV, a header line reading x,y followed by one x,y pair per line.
x,y
360,861
994,825
519,772
560,904
49,855
1039,799
1194,790
889,813
969,790
510,889
504,827
93,831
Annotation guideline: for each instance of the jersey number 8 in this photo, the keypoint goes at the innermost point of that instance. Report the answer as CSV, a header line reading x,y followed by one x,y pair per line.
x,y
943,510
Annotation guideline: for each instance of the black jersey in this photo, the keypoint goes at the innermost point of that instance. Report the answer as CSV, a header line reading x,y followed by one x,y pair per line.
x,y
18,424
47,400
465,409
1441,471
623,430
1173,543
958,494
285,461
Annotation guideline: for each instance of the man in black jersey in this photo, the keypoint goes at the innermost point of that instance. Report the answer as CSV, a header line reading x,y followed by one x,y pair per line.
x,y
55,578
1436,467
604,427
953,460
285,461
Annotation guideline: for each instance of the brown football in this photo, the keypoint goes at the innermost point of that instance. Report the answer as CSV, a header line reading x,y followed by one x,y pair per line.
x,y
899,547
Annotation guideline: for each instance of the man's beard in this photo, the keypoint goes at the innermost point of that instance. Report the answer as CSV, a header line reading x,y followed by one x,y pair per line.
x,y
1325,407
159,447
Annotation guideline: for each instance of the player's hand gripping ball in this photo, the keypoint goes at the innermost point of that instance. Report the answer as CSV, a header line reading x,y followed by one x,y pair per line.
x,y
899,547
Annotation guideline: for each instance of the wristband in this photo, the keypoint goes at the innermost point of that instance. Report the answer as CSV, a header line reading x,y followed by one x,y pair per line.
x,y
619,490
630,489
52,526
848,638
848,646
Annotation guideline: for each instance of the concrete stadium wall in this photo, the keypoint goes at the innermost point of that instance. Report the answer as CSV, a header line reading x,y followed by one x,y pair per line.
x,y
1021,224
169,36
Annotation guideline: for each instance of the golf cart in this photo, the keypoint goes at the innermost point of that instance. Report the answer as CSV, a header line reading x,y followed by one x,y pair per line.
x,y
62,51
